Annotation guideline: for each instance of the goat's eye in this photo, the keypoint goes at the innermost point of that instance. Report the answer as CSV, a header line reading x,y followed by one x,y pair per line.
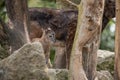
x,y
50,36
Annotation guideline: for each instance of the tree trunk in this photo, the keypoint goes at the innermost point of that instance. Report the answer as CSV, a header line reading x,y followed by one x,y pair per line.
x,y
90,57
17,11
87,34
59,61
117,42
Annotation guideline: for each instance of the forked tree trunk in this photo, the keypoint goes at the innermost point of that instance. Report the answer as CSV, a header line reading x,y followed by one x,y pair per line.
x,y
18,14
87,34
90,57
117,42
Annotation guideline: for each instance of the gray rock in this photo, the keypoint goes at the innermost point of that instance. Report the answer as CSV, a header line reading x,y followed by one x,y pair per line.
x,y
104,75
106,61
62,74
27,63
3,52
58,74
104,55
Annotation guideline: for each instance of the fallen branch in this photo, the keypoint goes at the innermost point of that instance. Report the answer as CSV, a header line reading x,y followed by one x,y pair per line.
x,y
72,3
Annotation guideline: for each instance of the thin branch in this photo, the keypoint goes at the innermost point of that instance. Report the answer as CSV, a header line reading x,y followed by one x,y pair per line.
x,y
72,3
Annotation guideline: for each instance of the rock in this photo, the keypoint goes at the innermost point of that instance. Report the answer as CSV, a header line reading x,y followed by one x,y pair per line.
x,y
62,74
104,55
27,63
104,75
3,53
58,74
106,61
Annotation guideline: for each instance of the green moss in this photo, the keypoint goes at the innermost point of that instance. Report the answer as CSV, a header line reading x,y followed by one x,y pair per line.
x,y
108,65
4,46
62,75
52,55
3,52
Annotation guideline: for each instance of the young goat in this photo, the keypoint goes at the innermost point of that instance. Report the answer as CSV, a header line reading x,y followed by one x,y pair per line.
x,y
47,40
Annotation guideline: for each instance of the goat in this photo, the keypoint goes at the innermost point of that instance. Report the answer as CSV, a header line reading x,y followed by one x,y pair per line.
x,y
47,40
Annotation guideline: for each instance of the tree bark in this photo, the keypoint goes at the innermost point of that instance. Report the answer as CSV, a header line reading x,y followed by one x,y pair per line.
x,y
17,11
59,61
88,27
90,57
117,42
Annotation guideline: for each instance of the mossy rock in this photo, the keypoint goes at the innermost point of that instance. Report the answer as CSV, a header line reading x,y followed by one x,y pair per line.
x,y
3,53
62,75
107,65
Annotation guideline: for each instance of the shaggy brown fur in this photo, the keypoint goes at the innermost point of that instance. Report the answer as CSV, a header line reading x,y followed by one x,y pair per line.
x,y
47,40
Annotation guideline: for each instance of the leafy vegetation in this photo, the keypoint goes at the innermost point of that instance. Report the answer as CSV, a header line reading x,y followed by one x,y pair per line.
x,y
2,9
108,37
42,3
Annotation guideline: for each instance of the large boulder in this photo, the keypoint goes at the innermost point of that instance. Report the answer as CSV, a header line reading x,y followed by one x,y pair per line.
x,y
62,74
105,61
27,63
3,52
104,55
58,74
104,75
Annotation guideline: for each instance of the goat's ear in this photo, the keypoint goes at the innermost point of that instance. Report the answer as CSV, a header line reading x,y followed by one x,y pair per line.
x,y
49,28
